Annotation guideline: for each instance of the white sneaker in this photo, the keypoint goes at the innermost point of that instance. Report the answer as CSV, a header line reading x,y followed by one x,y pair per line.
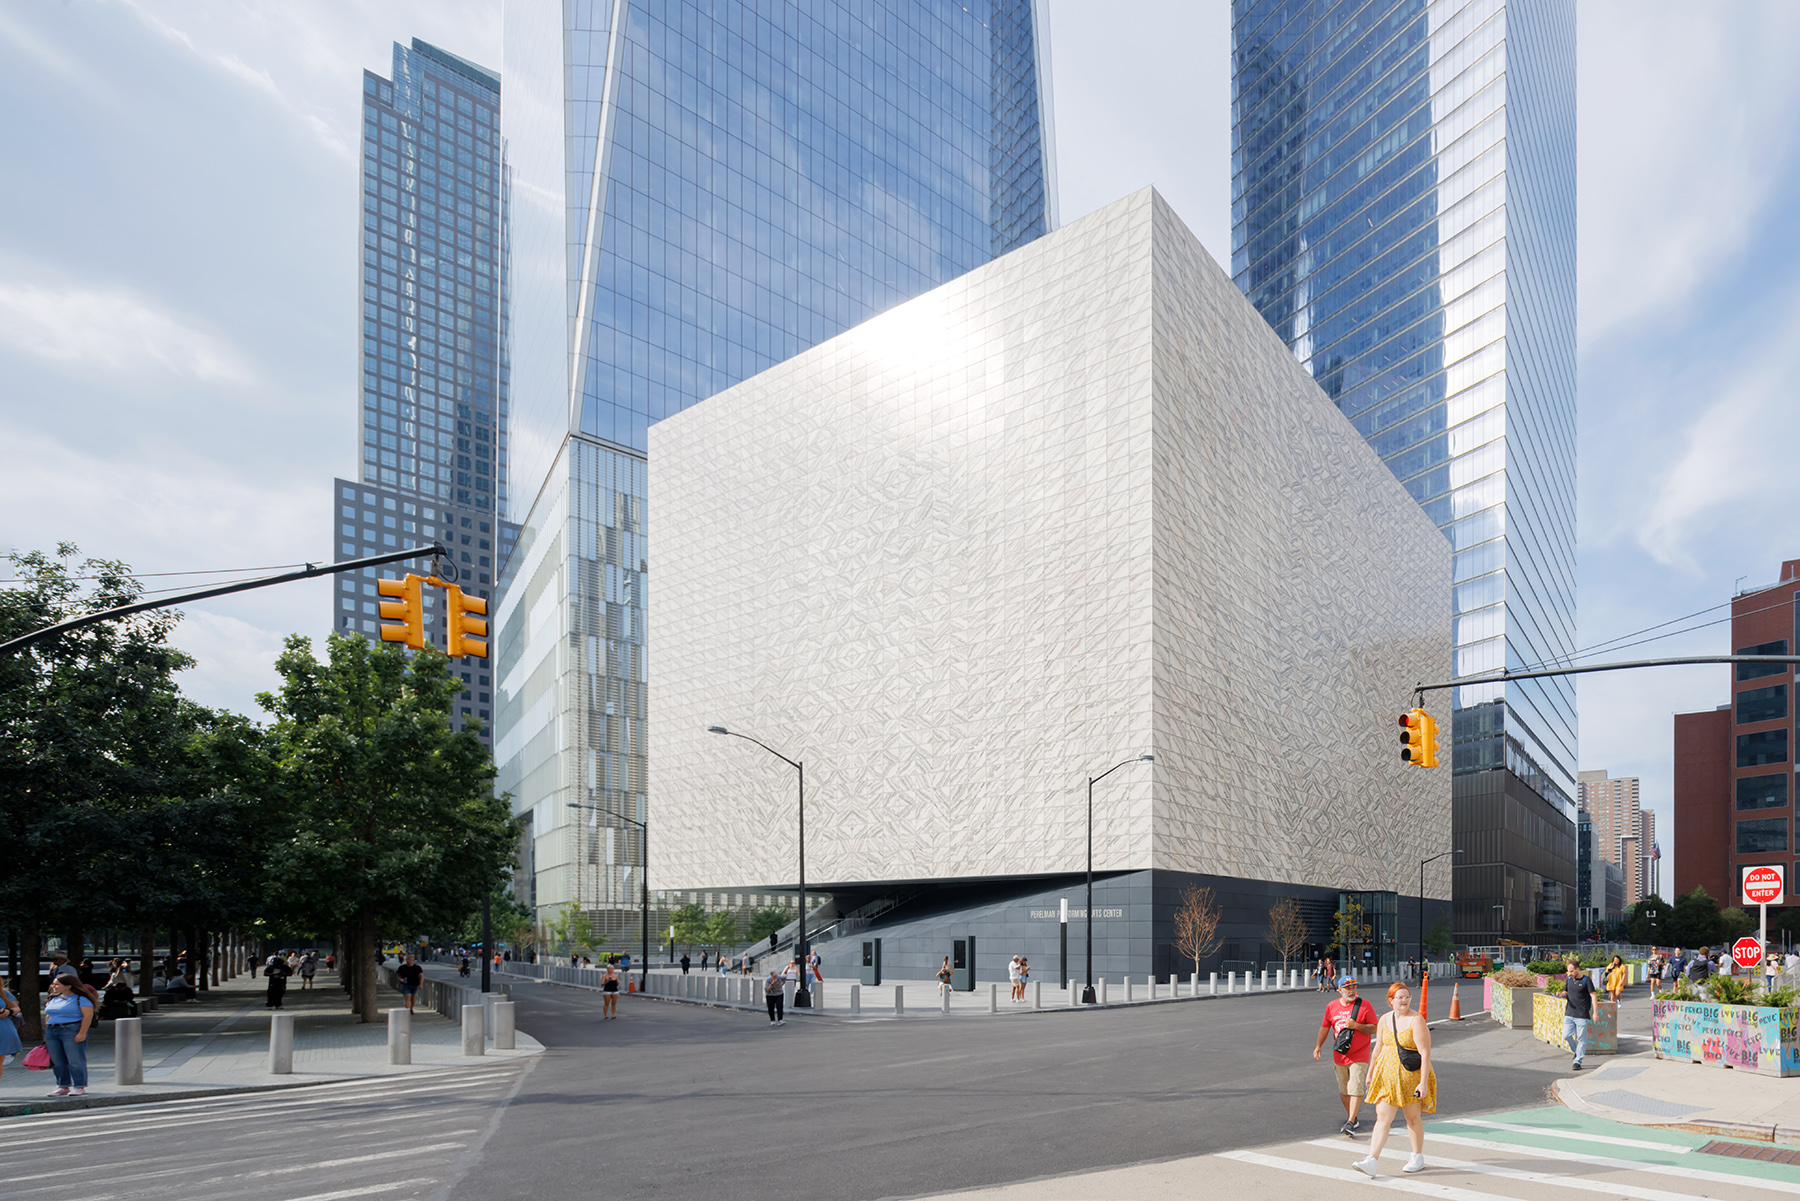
x,y
1370,1167
1415,1164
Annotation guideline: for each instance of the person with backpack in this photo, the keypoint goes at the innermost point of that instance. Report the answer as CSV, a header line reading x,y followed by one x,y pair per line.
x,y
1700,967
772,997
278,972
1348,1022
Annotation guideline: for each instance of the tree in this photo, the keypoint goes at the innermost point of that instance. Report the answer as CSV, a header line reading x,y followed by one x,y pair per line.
x,y
1695,921
1349,929
721,930
1197,924
1287,929
689,922
1439,941
1647,922
1734,924
393,818
765,922
572,930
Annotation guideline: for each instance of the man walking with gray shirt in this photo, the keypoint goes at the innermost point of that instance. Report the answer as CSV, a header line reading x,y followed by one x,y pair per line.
x,y
1579,1010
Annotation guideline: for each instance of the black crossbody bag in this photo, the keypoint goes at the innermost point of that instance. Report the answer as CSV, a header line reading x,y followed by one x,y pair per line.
x,y
1346,1037
1410,1061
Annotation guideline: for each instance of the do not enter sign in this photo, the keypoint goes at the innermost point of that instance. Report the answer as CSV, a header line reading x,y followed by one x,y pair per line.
x,y
1763,885
1747,952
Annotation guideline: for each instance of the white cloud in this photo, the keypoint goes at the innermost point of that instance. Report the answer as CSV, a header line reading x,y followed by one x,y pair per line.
x,y
114,330
1685,112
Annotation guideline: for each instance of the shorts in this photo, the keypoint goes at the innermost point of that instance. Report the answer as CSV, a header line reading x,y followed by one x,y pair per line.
x,y
1353,1078
407,990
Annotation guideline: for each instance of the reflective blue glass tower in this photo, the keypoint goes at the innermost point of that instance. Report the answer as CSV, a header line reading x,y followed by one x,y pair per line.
x,y
434,385
1403,209
697,192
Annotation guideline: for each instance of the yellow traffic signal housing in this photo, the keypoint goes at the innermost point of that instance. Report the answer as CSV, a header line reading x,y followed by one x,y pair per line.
x,y
1418,738
459,625
409,611
1429,742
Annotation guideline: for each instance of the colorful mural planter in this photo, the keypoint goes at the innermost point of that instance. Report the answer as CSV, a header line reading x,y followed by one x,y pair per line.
x,y
1603,1028
1750,1038
1511,1006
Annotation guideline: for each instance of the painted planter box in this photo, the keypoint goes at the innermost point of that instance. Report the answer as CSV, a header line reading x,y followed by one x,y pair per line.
x,y
1751,1038
1512,1006
1603,1028
1487,993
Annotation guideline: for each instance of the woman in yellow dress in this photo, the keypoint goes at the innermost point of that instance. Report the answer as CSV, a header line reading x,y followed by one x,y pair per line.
x,y
1392,1089
1615,977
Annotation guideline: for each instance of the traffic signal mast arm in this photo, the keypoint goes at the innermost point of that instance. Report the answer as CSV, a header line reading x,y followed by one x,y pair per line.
x,y
435,549
1505,676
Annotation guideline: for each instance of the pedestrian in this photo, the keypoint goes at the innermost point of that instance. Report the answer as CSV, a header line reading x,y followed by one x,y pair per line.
x,y
1700,967
410,976
277,972
772,986
331,962
1615,978
684,963
1012,978
1401,1080
1578,1010
1024,977
944,976
1318,974
309,966
818,968
462,968
10,1014
1348,1022
67,1015
609,993
59,965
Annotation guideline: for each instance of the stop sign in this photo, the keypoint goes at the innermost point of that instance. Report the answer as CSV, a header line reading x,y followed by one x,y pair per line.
x,y
1763,886
1747,952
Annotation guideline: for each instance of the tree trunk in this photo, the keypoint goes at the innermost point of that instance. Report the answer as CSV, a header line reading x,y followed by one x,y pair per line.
x,y
146,958
31,1017
75,943
362,953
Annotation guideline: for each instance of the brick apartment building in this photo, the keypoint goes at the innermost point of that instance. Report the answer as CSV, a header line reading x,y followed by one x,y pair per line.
x,y
1734,767
1624,832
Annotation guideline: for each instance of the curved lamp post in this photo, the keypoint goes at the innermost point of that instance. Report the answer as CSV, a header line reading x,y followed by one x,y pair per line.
x,y
1087,995
802,994
643,880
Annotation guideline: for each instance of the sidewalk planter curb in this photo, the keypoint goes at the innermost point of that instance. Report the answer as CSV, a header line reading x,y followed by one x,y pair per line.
x,y
1512,1006
1750,1038
1547,1014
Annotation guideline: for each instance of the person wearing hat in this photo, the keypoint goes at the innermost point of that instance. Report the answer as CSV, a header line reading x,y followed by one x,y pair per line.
x,y
1348,1022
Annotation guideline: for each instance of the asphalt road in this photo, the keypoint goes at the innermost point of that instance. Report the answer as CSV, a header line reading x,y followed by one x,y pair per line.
x,y
683,1101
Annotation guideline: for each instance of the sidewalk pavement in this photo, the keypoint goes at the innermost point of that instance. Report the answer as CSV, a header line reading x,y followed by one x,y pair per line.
x,y
1642,1090
221,1044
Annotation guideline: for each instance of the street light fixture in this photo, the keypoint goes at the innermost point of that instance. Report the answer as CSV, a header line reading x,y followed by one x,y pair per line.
x,y
643,881
802,994
1087,994
1424,960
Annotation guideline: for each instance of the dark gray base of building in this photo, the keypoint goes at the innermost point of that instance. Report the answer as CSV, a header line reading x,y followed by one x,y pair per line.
x,y
1518,853
1134,928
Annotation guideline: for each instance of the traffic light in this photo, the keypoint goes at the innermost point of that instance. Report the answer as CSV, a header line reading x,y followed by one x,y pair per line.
x,y
1418,738
409,610
458,624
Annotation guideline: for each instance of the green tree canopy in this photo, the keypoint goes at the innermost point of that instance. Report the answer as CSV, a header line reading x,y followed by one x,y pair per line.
x,y
689,923
1734,924
1695,921
765,922
1647,922
1439,940
394,824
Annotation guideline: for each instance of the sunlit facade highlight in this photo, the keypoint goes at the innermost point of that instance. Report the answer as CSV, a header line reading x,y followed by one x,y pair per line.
x,y
1403,207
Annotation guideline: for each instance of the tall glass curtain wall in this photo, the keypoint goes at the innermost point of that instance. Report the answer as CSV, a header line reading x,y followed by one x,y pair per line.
x,y
1403,215
745,182
433,386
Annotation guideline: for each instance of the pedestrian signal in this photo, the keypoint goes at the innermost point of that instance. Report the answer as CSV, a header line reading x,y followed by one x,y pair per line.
x,y
459,625
1418,738
408,610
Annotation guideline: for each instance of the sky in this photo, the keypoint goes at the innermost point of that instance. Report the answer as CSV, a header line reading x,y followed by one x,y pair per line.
x,y
178,290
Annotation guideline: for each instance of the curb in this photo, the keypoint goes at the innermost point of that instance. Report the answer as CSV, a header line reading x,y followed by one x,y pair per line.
x,y
1743,1131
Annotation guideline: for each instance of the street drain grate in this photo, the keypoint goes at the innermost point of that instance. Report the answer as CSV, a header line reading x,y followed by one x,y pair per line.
x,y
1762,1154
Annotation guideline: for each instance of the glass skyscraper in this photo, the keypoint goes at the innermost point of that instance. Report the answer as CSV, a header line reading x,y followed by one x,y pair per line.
x,y
1403,214
697,192
433,379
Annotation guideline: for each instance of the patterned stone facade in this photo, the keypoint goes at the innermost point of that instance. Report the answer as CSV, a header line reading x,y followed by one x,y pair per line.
x,y
1078,505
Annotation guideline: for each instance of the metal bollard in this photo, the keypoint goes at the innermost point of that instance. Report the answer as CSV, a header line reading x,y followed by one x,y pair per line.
x,y
1037,994
281,1044
856,998
487,1012
399,1035
944,1000
504,1039
899,1001
788,989
818,993
1074,993
128,1051
1212,983
993,998
1128,996
473,1038
1102,996
1264,985
1150,981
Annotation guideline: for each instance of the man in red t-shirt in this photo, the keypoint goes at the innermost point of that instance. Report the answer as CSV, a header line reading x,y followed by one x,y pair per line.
x,y
1350,1012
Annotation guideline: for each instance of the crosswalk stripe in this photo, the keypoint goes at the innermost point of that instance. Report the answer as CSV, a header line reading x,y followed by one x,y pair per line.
x,y
1346,1174
106,1169
1607,1161
1642,1144
323,1165
364,1191
1611,1189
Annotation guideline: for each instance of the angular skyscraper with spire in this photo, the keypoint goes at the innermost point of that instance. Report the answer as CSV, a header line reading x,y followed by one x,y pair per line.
x,y
696,193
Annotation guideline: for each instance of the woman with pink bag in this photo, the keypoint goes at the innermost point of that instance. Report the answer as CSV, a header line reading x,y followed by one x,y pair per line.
x,y
9,1029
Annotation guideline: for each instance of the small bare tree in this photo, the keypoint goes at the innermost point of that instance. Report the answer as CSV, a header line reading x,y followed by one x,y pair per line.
x,y
1197,924
1287,929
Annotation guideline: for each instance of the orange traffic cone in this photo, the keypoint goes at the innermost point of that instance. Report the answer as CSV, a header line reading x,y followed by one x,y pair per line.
x,y
1455,1002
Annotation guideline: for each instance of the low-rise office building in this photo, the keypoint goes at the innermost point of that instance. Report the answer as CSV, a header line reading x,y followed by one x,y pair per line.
x,y
1078,506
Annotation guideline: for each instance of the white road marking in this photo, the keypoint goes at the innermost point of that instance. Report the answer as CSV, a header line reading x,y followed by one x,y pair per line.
x,y
1611,1189
1606,1161
1641,1143
1348,1175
